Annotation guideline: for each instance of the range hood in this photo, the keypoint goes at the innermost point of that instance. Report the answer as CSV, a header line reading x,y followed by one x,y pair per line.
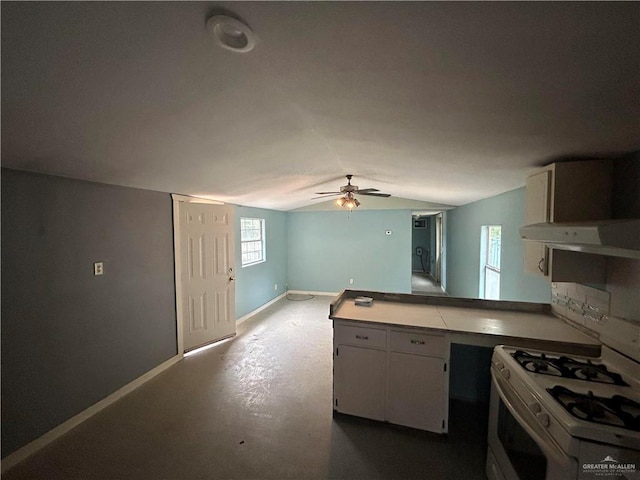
x,y
617,238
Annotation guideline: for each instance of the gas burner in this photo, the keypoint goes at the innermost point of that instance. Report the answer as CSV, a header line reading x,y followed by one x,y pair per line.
x,y
589,408
567,367
616,411
591,372
537,363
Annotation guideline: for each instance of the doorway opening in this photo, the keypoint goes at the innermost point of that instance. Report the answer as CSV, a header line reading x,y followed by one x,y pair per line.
x,y
426,254
490,258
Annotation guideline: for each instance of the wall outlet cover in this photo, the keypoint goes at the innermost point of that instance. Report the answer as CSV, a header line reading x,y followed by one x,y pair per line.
x,y
98,268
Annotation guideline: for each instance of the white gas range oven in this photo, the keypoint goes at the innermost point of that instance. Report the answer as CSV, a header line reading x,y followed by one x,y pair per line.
x,y
559,417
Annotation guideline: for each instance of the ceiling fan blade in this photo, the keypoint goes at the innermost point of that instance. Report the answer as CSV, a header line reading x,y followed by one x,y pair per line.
x,y
367,190
328,193
327,196
373,194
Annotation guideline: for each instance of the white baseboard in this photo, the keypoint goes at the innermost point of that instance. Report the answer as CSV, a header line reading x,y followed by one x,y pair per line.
x,y
56,432
246,317
307,292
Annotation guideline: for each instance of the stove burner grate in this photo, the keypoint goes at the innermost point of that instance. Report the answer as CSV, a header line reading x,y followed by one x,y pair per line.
x,y
616,411
567,367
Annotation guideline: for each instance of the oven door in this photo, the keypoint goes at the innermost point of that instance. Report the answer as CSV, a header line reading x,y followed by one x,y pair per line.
x,y
519,447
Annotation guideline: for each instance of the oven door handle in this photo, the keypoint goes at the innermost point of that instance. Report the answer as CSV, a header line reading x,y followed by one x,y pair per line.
x,y
549,446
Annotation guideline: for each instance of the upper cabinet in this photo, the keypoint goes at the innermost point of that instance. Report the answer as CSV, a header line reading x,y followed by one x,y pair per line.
x,y
567,192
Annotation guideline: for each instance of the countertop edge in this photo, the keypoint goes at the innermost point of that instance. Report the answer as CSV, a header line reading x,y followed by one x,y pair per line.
x,y
586,349
443,301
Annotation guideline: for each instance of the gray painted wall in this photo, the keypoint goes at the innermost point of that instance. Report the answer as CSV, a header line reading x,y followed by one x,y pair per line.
x,y
70,338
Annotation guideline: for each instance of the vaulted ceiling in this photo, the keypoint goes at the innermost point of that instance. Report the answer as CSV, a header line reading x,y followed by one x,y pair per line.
x,y
443,102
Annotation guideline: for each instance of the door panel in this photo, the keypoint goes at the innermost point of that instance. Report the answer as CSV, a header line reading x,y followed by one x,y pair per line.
x,y
359,381
416,391
207,276
536,254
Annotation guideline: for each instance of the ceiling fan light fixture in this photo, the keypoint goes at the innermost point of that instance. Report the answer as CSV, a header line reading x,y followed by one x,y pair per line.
x,y
231,34
348,192
350,201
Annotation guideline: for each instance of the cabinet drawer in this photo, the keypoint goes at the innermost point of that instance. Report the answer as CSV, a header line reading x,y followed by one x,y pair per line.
x,y
418,343
360,336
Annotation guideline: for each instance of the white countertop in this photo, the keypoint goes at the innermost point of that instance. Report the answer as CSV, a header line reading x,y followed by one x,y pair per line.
x,y
500,325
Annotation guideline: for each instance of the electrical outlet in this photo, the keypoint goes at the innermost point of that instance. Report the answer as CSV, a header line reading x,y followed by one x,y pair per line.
x,y
275,286
351,281
98,268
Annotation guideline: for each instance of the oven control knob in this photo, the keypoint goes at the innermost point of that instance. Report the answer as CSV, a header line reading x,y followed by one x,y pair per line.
x,y
535,408
505,373
543,418
499,365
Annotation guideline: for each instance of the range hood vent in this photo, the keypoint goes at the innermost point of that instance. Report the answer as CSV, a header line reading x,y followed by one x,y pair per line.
x,y
617,238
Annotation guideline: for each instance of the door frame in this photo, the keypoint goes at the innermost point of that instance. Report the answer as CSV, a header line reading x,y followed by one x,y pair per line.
x,y
176,200
438,220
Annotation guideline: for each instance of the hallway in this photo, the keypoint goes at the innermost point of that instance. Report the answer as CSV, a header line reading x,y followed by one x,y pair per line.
x,y
256,407
424,284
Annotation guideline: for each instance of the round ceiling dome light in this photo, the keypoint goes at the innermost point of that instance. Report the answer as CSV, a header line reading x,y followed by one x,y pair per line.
x,y
231,33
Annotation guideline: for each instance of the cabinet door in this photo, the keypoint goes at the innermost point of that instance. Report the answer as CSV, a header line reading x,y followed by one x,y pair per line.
x,y
359,381
537,203
416,391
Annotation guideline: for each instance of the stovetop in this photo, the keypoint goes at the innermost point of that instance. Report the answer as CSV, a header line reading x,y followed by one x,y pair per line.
x,y
592,398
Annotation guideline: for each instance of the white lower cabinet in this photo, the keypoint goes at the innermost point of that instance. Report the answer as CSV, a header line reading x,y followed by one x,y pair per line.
x,y
390,374
359,381
416,391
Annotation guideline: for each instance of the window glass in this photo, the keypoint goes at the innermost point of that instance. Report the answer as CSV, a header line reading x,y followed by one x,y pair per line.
x,y
490,253
252,241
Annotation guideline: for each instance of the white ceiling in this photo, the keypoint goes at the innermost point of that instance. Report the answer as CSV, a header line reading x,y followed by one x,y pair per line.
x,y
438,102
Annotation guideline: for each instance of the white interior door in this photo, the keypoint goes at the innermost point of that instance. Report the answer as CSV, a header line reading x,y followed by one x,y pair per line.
x,y
205,272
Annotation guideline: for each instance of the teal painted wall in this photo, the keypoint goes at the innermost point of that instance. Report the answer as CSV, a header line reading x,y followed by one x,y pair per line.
x,y
463,226
326,249
255,283
320,251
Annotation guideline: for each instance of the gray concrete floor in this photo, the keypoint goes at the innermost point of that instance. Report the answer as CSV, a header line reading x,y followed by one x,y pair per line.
x,y
257,407
425,284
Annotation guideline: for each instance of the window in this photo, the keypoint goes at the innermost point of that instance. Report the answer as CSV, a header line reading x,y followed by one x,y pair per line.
x,y
490,253
252,240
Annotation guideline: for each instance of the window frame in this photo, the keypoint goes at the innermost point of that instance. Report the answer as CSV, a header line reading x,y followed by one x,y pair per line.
x,y
262,240
486,265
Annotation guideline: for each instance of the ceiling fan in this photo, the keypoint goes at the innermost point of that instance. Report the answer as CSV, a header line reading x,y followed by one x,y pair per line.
x,y
348,191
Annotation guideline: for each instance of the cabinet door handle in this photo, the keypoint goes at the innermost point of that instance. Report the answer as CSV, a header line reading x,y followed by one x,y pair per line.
x,y
540,267
362,337
417,342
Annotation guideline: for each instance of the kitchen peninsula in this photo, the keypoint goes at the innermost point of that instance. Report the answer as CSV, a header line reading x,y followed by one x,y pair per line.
x,y
391,358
